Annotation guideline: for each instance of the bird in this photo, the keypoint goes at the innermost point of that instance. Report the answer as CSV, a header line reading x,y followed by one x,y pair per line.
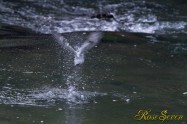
x,y
79,52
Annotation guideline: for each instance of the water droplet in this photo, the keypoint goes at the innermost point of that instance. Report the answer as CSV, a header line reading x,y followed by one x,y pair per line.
x,y
82,96
59,109
185,93
127,100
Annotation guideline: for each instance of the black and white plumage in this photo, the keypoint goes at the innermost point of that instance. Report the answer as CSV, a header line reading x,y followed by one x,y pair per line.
x,y
79,52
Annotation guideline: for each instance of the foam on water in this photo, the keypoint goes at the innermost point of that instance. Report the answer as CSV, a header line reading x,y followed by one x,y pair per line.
x,y
136,16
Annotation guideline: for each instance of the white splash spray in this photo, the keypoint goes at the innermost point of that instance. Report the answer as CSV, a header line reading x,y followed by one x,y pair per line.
x,y
79,52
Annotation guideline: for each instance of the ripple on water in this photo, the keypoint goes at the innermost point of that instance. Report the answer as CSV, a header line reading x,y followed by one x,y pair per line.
x,y
47,96
58,96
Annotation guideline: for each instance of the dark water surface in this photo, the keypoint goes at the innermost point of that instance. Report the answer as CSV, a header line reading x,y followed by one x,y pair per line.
x,y
40,85
116,81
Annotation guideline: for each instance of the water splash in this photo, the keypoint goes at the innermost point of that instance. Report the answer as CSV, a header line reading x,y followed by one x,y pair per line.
x,y
79,51
76,46
57,96
46,97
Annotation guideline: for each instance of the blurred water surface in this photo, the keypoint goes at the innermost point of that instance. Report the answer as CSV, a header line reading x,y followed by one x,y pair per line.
x,y
148,70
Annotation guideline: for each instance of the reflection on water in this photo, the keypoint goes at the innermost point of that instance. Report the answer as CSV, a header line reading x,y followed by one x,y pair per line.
x,y
73,114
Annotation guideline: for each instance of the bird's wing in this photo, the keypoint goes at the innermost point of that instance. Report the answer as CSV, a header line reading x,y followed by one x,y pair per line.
x,y
63,42
91,41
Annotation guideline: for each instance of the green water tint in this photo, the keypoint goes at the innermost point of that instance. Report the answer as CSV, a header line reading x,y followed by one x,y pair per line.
x,y
119,79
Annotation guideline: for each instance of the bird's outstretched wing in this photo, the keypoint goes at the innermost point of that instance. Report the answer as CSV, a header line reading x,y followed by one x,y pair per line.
x,y
91,41
63,42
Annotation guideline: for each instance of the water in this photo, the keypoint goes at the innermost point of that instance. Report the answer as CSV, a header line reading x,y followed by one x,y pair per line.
x,y
68,16
124,73
42,85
